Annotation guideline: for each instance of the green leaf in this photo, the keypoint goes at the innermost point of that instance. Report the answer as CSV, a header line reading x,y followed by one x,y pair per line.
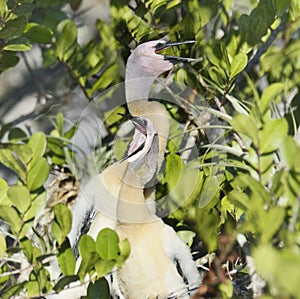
x,y
13,290
37,204
106,78
104,266
98,289
244,124
38,144
272,135
270,223
13,28
60,123
8,60
23,152
107,244
16,134
37,173
37,33
239,199
27,249
87,264
2,246
65,280
238,63
86,245
10,215
4,200
174,165
289,149
209,190
124,249
66,259
10,161
186,236
273,265
62,222
20,198
269,95
67,40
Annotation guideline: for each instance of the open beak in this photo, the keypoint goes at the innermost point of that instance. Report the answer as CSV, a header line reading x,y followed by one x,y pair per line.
x,y
138,123
174,59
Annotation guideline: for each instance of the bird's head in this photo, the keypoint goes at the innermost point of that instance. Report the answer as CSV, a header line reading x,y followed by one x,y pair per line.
x,y
146,59
142,151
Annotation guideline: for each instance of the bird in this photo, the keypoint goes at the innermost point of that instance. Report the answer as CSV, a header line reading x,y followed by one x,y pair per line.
x,y
156,250
143,66
118,193
151,270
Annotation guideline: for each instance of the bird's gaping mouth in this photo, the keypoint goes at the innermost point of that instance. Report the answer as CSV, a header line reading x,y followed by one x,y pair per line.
x,y
173,59
138,142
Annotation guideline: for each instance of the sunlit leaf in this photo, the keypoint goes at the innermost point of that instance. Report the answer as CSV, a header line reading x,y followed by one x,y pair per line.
x,y
4,200
67,40
238,63
107,244
272,135
62,222
66,259
2,246
244,124
37,173
20,198
38,144
10,215
269,95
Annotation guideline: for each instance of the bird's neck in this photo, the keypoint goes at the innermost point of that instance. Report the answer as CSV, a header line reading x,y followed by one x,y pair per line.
x,y
132,207
138,82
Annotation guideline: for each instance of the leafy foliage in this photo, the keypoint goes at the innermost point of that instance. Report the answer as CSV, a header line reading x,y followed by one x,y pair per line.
x,y
241,109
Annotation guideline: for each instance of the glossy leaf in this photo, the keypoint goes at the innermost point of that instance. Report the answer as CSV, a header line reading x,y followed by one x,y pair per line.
x,y
20,198
38,33
2,246
107,244
124,248
67,40
98,289
209,190
62,222
238,63
9,160
4,200
38,144
10,215
245,124
66,259
13,28
272,135
269,95
37,173
64,281
37,204
104,266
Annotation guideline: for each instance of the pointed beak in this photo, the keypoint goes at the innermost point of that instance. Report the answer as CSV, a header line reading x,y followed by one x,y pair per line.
x,y
174,59
138,123
169,44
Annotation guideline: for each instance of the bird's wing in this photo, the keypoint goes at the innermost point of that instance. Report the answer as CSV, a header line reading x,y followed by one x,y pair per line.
x,y
179,252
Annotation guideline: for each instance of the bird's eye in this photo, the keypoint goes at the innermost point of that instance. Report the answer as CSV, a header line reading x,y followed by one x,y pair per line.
x,y
144,123
159,46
